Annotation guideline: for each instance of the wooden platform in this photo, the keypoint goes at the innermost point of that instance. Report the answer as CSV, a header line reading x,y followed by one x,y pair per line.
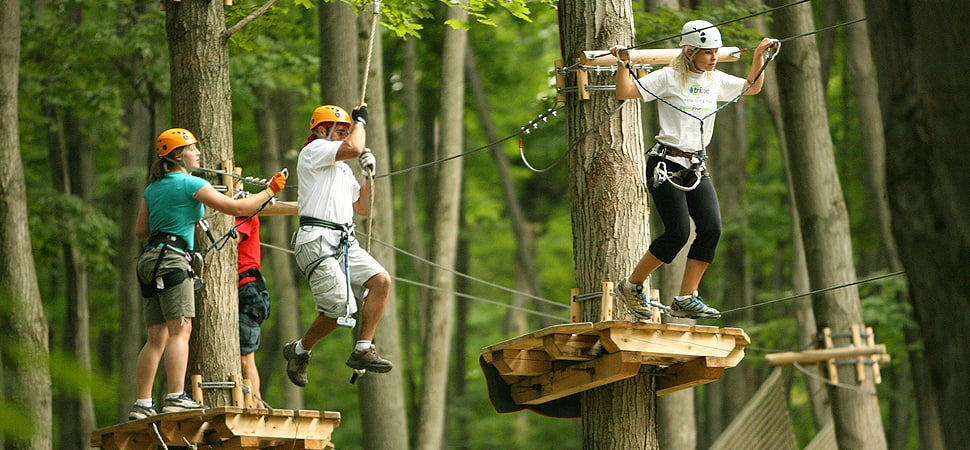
x,y
228,427
565,359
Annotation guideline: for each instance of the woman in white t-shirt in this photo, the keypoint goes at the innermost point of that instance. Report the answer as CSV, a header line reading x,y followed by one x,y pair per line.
x,y
687,92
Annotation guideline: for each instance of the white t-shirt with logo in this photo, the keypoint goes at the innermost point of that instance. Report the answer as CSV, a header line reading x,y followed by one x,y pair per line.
x,y
699,98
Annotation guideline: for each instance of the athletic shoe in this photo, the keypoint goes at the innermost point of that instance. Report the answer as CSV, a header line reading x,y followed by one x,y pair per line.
x,y
181,403
692,307
369,360
141,412
633,298
296,364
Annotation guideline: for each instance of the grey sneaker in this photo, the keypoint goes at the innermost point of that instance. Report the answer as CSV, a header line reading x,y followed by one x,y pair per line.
x,y
692,307
181,403
141,412
295,364
369,360
633,298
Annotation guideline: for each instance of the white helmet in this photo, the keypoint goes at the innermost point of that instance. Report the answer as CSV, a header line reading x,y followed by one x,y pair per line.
x,y
700,34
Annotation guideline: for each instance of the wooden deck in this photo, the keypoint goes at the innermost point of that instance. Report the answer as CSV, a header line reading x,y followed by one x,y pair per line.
x,y
565,359
227,427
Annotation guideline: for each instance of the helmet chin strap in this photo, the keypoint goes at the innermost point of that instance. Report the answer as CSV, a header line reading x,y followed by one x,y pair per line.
x,y
179,162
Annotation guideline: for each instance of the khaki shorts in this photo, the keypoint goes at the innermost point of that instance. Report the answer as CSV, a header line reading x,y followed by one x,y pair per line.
x,y
328,282
175,302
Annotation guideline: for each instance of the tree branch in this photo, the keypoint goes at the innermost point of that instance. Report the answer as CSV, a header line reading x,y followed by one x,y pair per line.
x,y
245,21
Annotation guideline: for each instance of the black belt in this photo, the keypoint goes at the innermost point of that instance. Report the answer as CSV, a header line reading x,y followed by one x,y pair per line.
x,y
674,151
307,221
171,240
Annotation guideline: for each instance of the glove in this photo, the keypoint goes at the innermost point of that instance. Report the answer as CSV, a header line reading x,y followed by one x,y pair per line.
x,y
367,161
278,182
360,114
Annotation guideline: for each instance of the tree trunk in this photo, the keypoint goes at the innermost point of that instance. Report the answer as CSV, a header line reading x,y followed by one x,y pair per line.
x,y
804,316
824,222
926,183
382,396
202,103
609,211
24,345
437,344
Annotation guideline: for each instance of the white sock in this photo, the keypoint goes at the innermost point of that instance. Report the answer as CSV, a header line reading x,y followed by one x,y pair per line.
x,y
363,345
299,348
146,402
174,394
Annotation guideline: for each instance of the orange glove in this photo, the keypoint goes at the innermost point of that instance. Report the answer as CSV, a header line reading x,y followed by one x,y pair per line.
x,y
278,182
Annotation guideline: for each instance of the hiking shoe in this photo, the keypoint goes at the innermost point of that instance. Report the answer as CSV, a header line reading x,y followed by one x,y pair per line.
x,y
633,298
141,412
296,364
181,403
369,360
692,307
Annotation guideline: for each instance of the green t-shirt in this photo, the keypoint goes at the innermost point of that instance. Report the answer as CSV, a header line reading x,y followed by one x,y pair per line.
x,y
172,208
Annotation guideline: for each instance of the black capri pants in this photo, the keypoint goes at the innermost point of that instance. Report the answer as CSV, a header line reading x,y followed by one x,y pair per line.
x,y
676,208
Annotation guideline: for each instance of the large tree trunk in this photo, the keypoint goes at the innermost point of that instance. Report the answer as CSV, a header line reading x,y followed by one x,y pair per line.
x,y
609,211
440,307
202,103
922,99
824,222
383,396
24,344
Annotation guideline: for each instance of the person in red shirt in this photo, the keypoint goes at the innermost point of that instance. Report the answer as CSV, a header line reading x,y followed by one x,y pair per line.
x,y
253,298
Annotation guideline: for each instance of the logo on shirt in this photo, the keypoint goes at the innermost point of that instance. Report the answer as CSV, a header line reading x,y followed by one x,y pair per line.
x,y
696,90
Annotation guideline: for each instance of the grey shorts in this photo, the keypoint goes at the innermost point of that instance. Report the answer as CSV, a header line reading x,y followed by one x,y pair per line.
x,y
175,302
328,282
253,310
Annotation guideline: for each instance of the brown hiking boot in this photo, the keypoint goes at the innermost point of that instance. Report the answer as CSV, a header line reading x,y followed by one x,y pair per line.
x,y
369,360
295,364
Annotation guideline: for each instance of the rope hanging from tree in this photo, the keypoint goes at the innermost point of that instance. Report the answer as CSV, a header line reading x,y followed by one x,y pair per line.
x,y
363,97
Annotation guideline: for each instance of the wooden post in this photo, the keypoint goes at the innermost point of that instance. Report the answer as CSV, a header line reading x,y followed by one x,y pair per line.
x,y
560,82
606,302
574,309
237,391
582,79
197,388
226,179
860,364
871,341
655,312
833,370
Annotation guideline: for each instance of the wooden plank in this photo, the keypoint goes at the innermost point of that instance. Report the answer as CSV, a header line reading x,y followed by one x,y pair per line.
x,y
521,362
830,354
661,340
576,378
534,340
689,374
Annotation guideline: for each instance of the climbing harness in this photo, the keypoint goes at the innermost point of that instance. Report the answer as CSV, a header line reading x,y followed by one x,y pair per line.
x,y
661,175
166,242
342,250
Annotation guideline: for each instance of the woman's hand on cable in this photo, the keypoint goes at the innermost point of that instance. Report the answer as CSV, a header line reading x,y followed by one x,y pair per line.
x,y
278,182
367,161
622,54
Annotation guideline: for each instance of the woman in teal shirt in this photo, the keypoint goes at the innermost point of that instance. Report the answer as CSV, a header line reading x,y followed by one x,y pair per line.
x,y
171,207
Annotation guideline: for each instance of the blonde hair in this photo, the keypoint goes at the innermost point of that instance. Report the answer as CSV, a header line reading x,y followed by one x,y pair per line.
x,y
682,64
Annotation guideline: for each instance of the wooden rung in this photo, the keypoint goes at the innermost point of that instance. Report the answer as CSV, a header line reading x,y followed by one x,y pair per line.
x,y
582,79
197,388
606,302
237,391
560,82
574,307
830,355
860,365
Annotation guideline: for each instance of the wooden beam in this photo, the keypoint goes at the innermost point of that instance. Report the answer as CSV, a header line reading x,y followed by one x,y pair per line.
x,y
573,347
280,209
651,56
689,374
828,354
579,377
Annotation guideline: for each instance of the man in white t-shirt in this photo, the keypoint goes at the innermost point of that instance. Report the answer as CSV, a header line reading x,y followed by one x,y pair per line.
x,y
325,245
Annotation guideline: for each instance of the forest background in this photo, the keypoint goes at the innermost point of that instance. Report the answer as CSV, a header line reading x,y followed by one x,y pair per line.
x,y
75,119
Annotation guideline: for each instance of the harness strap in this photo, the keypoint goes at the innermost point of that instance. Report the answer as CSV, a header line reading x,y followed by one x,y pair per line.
x,y
307,221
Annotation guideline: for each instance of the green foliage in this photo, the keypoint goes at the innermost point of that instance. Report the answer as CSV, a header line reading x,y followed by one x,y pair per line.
x,y
57,220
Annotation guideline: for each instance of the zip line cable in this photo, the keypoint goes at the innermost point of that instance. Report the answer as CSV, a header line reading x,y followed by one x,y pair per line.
x,y
817,291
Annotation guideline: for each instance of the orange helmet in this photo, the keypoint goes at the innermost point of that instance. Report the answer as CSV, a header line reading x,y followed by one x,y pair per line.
x,y
174,138
329,113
